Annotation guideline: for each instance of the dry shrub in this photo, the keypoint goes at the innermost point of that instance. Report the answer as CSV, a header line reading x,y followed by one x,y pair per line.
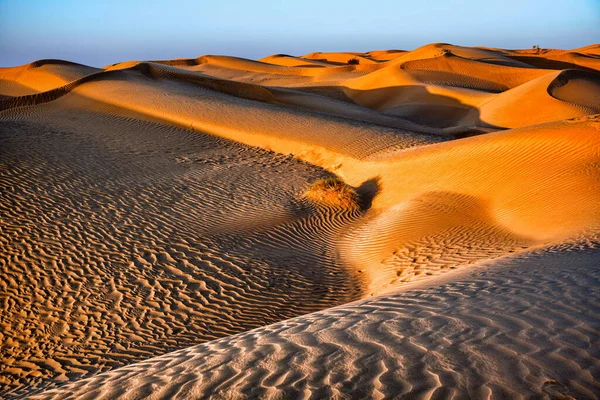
x,y
333,192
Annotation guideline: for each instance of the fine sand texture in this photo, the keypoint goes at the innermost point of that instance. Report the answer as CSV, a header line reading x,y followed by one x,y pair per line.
x,y
390,224
497,332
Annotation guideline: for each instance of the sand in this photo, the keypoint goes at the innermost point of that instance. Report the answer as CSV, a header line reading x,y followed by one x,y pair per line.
x,y
161,236
496,332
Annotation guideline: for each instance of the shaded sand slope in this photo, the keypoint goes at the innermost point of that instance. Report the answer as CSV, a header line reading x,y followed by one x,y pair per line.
x,y
452,70
500,331
435,87
275,95
118,245
291,61
479,54
161,98
263,72
584,57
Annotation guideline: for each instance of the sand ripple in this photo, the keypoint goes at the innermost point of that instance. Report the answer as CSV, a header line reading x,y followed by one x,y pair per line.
x,y
498,332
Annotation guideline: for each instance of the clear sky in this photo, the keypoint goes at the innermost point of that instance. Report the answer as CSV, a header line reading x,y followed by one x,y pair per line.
x,y
106,31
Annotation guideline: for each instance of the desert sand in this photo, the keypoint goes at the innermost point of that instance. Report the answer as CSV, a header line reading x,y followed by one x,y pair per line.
x,y
410,224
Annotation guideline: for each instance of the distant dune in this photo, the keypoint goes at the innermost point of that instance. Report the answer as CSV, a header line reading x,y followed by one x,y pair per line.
x,y
394,223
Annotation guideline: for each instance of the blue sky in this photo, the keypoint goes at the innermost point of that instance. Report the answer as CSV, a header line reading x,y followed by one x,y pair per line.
x,y
103,32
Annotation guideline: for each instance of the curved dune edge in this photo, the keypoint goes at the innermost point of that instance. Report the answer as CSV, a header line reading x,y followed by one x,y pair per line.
x,y
451,76
41,76
577,87
429,206
544,99
438,338
506,191
238,89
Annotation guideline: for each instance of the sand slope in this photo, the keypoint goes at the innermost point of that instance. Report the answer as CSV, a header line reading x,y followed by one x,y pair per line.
x,y
152,206
498,332
118,245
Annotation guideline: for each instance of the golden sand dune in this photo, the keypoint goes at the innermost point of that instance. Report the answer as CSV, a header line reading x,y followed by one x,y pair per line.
x,y
585,57
166,226
452,70
438,208
291,61
385,55
40,76
552,97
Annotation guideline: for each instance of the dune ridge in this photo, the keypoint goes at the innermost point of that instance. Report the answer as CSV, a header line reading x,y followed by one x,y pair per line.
x,y
158,241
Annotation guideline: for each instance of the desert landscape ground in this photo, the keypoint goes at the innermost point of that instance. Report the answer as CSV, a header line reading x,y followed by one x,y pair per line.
x,y
390,224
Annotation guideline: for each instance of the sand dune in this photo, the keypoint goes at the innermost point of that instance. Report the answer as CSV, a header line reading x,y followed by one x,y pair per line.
x,y
291,61
178,228
453,70
431,217
41,76
552,97
118,246
587,57
385,55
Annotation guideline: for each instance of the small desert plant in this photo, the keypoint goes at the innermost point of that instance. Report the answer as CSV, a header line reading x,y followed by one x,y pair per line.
x,y
353,61
333,192
536,47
